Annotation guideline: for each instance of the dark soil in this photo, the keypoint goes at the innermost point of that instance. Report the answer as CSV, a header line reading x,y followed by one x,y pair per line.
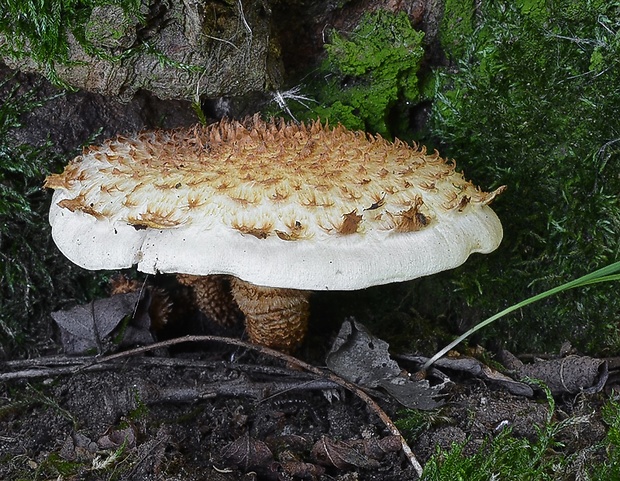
x,y
218,412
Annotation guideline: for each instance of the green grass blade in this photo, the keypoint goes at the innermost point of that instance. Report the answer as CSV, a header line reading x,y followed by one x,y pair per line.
x,y
605,274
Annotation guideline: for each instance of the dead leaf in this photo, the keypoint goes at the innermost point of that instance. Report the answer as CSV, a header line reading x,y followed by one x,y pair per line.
x,y
413,394
511,385
364,359
570,374
89,326
116,438
360,357
248,453
477,369
297,469
78,447
377,448
341,455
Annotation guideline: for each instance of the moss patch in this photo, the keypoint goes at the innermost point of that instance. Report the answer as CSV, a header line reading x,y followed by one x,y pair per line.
x,y
369,74
457,24
33,277
39,28
528,103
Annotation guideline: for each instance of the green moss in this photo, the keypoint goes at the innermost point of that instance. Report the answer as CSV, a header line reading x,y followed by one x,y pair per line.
x,y
39,28
413,422
368,74
54,464
33,277
505,457
456,25
110,28
140,412
543,457
340,112
531,103
611,468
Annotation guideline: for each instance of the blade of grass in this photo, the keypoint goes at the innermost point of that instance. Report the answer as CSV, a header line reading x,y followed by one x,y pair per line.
x,y
605,274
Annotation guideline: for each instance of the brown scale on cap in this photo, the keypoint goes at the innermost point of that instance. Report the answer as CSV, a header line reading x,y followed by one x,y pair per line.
x,y
218,168
286,206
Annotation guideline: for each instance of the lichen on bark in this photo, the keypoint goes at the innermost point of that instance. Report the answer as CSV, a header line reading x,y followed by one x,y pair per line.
x,y
181,50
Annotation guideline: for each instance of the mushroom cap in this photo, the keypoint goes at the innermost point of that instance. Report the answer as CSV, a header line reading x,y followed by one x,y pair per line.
x,y
273,203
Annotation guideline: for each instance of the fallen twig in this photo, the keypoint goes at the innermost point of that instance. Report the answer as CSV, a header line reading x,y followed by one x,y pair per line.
x,y
51,366
372,405
40,367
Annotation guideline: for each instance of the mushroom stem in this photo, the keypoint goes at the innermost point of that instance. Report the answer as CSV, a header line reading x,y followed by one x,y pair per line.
x,y
274,317
212,296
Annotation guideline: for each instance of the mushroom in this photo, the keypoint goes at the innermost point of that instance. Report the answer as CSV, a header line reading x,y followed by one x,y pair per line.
x,y
281,208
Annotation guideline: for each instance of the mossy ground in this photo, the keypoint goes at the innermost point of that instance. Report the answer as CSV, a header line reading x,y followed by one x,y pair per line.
x,y
33,278
527,103
546,455
369,76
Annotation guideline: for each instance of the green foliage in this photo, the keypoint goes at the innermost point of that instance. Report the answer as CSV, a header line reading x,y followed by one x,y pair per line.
x,y
33,277
457,25
611,416
504,457
22,168
610,468
545,457
109,465
54,464
38,28
370,75
413,422
140,412
530,102
508,457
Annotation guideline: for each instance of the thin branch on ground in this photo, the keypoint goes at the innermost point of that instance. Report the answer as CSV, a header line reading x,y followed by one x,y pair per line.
x,y
372,405
40,367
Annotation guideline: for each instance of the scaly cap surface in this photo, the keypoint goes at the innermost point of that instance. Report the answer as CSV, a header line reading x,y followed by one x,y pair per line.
x,y
273,203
